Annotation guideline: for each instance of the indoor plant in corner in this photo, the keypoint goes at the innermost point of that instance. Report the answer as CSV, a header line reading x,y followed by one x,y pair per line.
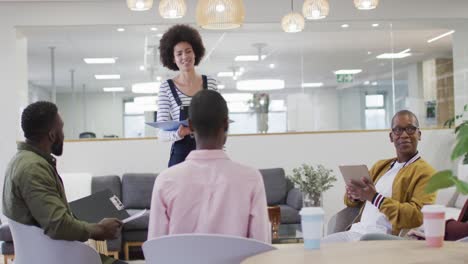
x,y
446,178
312,182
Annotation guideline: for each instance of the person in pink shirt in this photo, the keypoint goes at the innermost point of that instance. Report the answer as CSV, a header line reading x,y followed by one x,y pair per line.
x,y
208,192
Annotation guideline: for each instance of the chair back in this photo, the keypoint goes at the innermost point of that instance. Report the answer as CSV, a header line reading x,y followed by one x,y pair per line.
x,y
33,246
202,249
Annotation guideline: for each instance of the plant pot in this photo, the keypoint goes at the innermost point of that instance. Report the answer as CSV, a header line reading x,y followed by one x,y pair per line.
x,y
312,200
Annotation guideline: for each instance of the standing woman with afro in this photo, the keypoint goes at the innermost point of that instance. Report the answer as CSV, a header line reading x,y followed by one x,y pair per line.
x,y
181,49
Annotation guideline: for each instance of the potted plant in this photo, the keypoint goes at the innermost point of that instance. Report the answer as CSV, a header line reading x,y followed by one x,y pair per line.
x,y
313,182
446,178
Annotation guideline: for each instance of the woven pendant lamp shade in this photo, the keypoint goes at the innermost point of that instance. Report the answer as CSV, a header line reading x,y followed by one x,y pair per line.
x,y
139,5
172,9
293,22
315,9
220,14
366,4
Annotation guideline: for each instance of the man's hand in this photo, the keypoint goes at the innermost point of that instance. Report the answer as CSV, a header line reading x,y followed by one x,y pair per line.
x,y
363,190
183,131
108,228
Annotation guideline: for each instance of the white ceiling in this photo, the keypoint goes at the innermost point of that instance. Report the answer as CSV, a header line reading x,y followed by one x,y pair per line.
x,y
322,48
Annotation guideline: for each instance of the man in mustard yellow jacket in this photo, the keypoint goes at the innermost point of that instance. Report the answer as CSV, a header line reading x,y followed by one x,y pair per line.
x,y
394,198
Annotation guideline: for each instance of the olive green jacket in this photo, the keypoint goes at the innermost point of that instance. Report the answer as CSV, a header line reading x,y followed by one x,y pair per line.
x,y
33,194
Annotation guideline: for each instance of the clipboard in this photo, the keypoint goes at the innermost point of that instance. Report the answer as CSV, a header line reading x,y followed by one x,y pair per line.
x,y
97,206
168,125
354,172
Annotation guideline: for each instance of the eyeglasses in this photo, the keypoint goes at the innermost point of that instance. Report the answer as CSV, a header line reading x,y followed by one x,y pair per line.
x,y
409,130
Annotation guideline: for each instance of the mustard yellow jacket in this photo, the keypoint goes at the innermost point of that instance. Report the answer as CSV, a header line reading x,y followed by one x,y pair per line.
x,y
403,209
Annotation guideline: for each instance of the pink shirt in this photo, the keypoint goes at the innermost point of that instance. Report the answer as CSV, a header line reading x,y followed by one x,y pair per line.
x,y
209,193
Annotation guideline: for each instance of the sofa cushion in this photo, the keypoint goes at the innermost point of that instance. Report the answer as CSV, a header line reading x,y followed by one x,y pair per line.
x,y
8,248
289,215
5,233
112,183
275,185
114,244
137,189
135,236
137,224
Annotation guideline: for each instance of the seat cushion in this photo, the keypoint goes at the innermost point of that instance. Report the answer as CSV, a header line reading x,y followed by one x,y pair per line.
x,y
135,236
137,224
5,233
114,244
289,215
8,248
137,189
275,185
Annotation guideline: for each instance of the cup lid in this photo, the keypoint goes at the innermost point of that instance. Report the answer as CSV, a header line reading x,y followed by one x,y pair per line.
x,y
433,208
312,211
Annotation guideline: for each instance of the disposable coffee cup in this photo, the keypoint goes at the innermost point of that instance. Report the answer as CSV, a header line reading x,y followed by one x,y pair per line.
x,y
312,221
434,224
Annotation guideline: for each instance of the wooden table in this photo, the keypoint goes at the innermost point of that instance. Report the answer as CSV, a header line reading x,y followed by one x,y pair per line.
x,y
382,252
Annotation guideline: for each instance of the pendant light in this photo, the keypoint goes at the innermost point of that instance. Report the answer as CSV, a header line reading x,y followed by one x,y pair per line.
x,y
220,14
315,9
139,5
366,4
172,9
293,22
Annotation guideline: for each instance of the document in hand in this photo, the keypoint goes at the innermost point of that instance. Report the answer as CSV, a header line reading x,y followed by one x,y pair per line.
x,y
94,208
354,172
168,125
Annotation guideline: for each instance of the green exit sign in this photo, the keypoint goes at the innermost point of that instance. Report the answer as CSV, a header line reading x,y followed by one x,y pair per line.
x,y
344,78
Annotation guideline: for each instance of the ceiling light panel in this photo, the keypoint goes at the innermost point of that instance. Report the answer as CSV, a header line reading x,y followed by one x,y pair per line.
x,y
107,76
100,60
393,55
249,57
350,71
312,85
113,89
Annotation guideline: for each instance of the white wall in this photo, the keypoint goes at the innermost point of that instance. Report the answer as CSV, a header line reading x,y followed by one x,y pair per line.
x,y
460,66
103,115
286,151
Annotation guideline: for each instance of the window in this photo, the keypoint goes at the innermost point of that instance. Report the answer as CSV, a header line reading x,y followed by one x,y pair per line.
x,y
375,112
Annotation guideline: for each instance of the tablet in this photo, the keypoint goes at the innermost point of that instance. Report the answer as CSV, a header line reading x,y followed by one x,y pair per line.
x,y
354,172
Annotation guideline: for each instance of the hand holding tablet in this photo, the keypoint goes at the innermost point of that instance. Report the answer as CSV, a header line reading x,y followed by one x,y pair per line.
x,y
354,173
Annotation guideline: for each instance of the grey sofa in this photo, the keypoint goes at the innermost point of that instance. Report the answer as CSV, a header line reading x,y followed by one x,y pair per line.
x,y
135,190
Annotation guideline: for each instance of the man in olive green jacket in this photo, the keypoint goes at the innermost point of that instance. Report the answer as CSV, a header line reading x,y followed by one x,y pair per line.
x,y
33,192
392,201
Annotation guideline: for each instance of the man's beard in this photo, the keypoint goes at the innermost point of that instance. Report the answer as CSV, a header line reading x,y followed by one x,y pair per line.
x,y
57,148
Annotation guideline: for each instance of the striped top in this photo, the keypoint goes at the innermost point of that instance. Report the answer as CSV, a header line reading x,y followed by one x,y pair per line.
x,y
168,109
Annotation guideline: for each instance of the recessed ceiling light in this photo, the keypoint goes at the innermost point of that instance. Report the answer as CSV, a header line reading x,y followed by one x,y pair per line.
x,y
350,71
99,60
441,36
405,51
121,29
249,57
113,89
147,88
154,29
375,25
366,82
221,86
160,35
107,76
375,83
260,85
369,52
230,73
158,78
393,55
142,67
312,85
272,65
345,26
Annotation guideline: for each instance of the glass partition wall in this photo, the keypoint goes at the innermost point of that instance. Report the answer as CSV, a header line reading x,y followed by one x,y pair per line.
x,y
332,76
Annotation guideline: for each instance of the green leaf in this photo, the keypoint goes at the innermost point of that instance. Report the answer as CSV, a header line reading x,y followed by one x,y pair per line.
x,y
465,108
460,149
440,180
462,186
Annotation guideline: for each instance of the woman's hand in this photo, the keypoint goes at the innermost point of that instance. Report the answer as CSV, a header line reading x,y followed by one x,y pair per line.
x,y
183,131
